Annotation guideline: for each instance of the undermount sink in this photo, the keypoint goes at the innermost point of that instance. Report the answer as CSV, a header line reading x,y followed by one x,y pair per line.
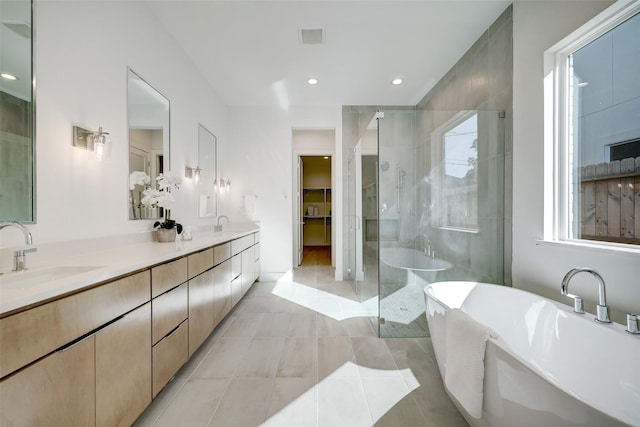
x,y
27,278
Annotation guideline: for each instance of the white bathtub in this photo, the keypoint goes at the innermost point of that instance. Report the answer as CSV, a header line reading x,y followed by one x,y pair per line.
x,y
549,366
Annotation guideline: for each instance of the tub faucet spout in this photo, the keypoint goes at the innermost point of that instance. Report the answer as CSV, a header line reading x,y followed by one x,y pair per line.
x,y
602,309
427,246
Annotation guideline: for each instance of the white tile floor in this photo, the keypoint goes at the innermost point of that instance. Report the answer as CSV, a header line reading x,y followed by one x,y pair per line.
x,y
304,357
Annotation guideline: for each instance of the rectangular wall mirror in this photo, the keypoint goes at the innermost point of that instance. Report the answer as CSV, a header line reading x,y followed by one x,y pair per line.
x,y
207,149
17,108
149,142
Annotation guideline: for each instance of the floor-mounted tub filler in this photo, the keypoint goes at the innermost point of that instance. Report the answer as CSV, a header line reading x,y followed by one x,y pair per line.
x,y
509,357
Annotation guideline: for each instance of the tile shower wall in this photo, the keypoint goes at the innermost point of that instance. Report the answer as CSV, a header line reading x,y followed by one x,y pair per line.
x,y
481,80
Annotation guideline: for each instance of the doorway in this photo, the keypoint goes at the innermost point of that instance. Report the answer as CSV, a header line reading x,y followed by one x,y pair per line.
x,y
315,209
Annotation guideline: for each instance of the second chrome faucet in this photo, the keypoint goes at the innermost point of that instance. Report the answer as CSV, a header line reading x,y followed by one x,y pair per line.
x,y
602,309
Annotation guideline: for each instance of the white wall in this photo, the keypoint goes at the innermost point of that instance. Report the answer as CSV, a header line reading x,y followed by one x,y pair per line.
x,y
81,58
82,79
259,160
539,267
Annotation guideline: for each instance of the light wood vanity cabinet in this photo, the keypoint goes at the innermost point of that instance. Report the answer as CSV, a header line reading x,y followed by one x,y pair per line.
x,y
168,275
100,356
123,371
98,375
236,279
168,311
59,322
56,391
248,265
169,354
221,291
169,321
199,262
201,309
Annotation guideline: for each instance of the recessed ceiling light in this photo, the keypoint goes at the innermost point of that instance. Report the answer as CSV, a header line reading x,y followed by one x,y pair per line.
x,y
8,76
326,157
397,81
313,81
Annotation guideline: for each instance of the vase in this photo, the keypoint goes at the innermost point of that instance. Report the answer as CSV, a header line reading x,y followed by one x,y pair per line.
x,y
166,235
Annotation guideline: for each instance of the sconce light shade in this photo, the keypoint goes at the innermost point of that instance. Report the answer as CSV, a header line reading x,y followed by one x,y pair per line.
x,y
96,141
222,186
193,173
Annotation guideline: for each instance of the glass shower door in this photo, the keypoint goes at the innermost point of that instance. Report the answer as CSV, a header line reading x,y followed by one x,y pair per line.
x,y
441,208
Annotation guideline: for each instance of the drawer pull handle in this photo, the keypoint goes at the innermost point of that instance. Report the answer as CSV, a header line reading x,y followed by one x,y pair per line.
x,y
173,330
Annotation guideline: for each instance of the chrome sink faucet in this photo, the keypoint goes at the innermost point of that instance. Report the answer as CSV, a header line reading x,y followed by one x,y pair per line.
x,y
602,310
20,256
218,226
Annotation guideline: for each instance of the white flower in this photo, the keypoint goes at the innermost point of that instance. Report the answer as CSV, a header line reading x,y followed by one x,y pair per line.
x,y
138,178
168,181
161,197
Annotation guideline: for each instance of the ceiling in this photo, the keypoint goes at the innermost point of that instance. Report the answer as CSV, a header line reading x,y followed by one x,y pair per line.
x,y
251,53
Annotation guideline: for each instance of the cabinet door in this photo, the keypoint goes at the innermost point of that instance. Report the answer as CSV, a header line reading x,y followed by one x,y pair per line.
x,y
169,355
168,275
168,311
32,334
248,264
256,268
200,309
123,369
221,291
236,290
56,391
200,262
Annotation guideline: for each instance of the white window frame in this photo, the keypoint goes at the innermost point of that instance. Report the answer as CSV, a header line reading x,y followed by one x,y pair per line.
x,y
558,130
437,156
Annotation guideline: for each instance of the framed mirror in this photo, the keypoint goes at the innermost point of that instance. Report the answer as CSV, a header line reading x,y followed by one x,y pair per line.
x,y
207,158
17,112
149,142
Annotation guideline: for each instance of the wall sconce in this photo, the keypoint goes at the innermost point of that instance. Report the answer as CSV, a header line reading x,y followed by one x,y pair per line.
x,y
89,140
223,185
193,173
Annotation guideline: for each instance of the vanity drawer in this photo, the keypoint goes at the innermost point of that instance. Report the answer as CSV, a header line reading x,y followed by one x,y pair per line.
x,y
200,262
236,266
257,237
169,355
167,276
236,290
31,334
241,244
167,311
221,253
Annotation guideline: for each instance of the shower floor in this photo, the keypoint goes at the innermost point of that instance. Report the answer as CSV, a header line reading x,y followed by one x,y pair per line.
x,y
402,307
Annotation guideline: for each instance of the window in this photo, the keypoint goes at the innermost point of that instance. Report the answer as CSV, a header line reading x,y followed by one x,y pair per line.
x,y
597,116
458,173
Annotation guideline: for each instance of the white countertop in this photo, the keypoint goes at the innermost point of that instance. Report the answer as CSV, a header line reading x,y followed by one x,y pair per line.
x,y
123,255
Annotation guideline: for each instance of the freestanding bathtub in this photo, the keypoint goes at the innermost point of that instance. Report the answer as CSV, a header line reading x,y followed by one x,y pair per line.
x,y
545,365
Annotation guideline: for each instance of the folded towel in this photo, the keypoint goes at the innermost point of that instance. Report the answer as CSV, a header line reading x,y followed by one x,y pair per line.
x,y
465,340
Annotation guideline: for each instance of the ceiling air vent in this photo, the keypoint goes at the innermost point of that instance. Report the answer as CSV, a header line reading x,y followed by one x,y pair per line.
x,y
312,35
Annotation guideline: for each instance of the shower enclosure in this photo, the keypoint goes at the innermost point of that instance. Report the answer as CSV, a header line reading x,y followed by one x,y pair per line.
x,y
425,203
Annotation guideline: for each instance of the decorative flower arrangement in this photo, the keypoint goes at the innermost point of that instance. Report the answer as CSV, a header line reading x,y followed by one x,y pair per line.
x,y
159,197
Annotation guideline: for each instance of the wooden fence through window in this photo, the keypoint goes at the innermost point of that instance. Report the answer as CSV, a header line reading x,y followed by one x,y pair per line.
x,y
610,201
